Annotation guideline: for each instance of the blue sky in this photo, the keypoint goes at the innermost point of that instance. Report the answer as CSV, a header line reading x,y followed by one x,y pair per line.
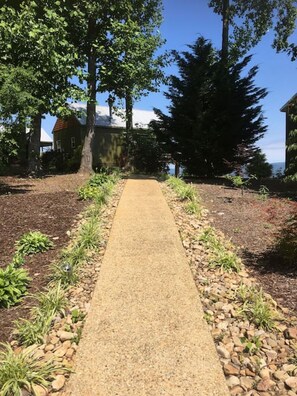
x,y
183,22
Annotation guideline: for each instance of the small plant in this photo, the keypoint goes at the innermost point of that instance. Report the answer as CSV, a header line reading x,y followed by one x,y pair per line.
x,y
21,371
240,182
88,192
53,300
98,179
193,207
13,285
89,236
33,242
255,307
65,273
263,192
30,332
18,260
227,261
208,236
77,315
252,345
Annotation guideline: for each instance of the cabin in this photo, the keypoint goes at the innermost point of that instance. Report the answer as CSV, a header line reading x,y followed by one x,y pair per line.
x,y
109,127
290,108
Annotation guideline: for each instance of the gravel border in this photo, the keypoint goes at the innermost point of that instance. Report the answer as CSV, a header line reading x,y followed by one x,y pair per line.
x,y
255,362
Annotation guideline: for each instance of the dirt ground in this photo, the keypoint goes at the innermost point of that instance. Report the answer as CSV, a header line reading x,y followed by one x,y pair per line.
x,y
255,226
49,205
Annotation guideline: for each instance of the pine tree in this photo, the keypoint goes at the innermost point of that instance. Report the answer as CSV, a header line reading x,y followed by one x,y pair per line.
x,y
213,112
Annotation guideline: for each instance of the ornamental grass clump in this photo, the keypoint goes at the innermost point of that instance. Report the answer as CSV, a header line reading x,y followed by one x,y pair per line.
x,y
20,372
255,307
50,303
186,192
33,242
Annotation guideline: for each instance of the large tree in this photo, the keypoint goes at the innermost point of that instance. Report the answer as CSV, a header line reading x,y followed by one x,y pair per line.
x,y
33,37
119,40
244,23
214,112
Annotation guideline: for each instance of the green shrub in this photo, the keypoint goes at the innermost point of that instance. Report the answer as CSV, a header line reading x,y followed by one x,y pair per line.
x,y
21,371
33,242
98,179
13,285
88,192
193,207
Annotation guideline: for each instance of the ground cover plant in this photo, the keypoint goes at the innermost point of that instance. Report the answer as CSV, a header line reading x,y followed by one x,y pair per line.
x,y
262,229
186,193
13,285
52,302
23,370
50,205
33,242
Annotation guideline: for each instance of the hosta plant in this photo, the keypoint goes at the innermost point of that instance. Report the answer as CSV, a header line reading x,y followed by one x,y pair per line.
x,y
33,242
13,285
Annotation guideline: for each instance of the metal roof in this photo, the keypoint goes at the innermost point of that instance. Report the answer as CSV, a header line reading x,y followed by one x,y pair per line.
x,y
141,118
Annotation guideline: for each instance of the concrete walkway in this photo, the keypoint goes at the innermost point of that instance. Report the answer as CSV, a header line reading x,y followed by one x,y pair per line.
x,y
145,333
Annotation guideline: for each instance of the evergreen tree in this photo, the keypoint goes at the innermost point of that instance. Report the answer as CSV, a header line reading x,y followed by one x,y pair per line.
x,y
214,112
258,165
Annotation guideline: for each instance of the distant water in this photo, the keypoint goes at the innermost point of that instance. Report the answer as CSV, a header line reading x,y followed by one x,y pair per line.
x,y
278,166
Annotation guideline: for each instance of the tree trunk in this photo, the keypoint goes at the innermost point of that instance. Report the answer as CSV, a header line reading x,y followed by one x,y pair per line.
x,y
129,112
86,165
225,31
34,167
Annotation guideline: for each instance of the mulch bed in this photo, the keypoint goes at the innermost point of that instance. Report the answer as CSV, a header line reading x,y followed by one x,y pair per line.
x,y
255,226
49,205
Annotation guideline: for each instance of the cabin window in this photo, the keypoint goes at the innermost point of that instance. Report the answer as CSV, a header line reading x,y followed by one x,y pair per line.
x,y
58,145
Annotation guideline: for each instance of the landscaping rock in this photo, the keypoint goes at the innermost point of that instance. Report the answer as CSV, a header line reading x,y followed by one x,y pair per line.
x,y
291,382
58,382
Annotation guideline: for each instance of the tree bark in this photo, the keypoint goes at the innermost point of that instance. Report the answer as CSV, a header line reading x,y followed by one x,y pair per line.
x,y
86,165
34,167
129,112
225,31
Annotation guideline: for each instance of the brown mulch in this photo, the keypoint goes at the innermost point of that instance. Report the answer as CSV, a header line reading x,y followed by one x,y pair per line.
x,y
255,226
49,205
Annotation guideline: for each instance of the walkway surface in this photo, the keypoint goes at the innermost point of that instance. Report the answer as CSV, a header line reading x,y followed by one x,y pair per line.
x,y
145,333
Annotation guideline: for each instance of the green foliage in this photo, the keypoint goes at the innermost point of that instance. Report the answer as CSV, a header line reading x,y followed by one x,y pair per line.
x,y
215,116
146,154
258,165
89,235
252,345
32,331
255,307
87,192
33,242
77,315
226,260
239,181
221,256
22,370
194,208
18,260
50,303
263,192
13,285
249,21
